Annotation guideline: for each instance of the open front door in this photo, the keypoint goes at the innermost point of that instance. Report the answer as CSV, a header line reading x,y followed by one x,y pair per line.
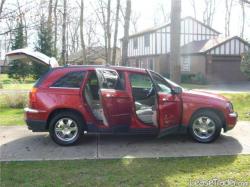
x,y
169,105
115,101
27,55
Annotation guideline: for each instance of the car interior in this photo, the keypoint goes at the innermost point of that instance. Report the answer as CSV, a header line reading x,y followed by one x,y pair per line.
x,y
92,96
145,98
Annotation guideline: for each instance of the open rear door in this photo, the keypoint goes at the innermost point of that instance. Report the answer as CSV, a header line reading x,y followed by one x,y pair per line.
x,y
117,107
27,55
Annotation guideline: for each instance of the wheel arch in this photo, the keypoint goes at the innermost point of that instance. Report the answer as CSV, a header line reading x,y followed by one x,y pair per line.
x,y
59,110
216,111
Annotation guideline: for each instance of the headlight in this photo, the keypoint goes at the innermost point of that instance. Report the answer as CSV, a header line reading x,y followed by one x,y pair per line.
x,y
230,107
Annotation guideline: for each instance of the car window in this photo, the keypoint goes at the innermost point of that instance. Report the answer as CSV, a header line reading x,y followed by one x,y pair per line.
x,y
140,81
161,84
70,80
110,79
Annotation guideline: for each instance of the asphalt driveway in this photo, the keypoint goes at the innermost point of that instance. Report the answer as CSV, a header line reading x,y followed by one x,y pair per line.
x,y
18,143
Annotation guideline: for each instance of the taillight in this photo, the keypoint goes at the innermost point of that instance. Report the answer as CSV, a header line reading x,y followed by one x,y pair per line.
x,y
32,97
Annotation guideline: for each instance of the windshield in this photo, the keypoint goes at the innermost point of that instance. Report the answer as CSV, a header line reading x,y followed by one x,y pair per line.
x,y
173,84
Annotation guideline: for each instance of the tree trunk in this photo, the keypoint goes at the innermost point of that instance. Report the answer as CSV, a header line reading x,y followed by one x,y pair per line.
x,y
55,27
175,70
82,34
116,31
49,21
194,8
108,33
1,6
126,34
63,56
243,19
229,4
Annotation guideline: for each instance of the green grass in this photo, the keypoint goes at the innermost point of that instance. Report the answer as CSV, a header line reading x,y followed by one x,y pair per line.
x,y
241,103
11,116
125,172
12,84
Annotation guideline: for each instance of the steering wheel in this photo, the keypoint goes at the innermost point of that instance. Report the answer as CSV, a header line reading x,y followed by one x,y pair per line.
x,y
151,92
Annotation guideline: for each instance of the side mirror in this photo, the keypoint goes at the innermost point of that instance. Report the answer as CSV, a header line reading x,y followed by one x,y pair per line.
x,y
177,90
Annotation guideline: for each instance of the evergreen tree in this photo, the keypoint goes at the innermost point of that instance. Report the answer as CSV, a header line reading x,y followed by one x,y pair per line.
x,y
44,45
18,70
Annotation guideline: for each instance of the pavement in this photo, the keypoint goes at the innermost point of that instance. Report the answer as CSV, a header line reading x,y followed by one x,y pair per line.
x,y
17,143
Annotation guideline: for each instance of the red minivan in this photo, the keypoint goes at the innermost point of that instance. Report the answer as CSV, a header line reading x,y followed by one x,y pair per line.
x,y
73,100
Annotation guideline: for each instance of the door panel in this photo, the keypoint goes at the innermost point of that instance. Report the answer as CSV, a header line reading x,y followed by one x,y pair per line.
x,y
169,110
169,104
116,106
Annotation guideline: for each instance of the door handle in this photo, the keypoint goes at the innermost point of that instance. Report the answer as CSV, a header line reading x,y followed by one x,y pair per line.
x,y
164,99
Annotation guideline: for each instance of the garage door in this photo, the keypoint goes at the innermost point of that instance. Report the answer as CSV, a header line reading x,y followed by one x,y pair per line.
x,y
225,71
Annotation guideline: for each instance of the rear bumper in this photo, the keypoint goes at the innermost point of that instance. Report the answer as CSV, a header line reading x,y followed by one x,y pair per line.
x,y
34,124
231,121
37,125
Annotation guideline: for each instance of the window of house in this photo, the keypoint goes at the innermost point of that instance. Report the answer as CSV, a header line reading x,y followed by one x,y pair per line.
x,y
147,40
70,80
135,43
185,64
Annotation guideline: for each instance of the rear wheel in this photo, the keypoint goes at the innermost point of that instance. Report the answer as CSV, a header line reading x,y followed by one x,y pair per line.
x,y
65,128
205,126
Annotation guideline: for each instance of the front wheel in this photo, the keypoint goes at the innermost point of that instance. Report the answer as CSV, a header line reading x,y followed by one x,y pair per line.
x,y
65,128
205,126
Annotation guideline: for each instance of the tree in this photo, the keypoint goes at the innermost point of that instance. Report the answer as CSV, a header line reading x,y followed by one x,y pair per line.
x,y
209,11
18,70
175,28
1,6
229,4
125,39
243,18
63,55
82,34
43,45
245,64
116,32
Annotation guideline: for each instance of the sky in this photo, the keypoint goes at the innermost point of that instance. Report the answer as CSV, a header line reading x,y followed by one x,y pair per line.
x,y
148,9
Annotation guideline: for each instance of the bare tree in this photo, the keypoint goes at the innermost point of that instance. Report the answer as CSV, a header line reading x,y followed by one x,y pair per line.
x,y
108,26
55,25
134,21
229,4
126,33
209,11
243,18
49,21
1,6
116,32
63,55
193,4
81,33
175,28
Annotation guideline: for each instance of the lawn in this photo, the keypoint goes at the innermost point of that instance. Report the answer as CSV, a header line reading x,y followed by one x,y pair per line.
x,y
11,84
125,172
11,116
241,104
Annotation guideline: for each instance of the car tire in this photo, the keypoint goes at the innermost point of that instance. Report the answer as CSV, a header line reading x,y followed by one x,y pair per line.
x,y
65,128
205,126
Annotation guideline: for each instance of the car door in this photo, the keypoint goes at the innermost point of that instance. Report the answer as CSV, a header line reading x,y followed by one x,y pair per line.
x,y
27,55
115,100
169,104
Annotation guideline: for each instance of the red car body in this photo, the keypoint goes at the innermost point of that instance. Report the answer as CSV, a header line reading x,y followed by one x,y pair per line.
x,y
123,104
174,109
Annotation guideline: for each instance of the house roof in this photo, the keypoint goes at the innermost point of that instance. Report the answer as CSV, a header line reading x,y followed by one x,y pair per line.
x,y
153,29
203,46
92,54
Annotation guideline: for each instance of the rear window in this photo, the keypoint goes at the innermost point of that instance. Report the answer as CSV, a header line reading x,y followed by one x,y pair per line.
x,y
70,80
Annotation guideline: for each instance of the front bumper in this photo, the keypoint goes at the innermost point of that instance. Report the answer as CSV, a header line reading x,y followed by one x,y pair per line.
x,y
231,121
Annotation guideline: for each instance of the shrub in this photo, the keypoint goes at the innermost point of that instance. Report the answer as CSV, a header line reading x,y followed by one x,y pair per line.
x,y
13,100
198,78
245,64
